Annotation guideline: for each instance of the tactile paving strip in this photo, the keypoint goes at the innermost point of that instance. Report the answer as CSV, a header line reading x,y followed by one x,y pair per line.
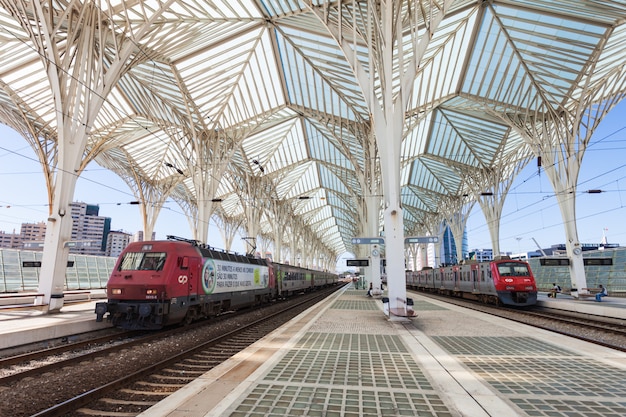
x,y
348,364
353,368
541,379
351,342
490,346
355,305
288,400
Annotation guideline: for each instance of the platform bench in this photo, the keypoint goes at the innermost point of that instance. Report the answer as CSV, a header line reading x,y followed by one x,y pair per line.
x,y
591,292
77,295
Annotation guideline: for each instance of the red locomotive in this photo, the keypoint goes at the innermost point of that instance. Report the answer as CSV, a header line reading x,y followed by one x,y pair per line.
x,y
500,282
159,283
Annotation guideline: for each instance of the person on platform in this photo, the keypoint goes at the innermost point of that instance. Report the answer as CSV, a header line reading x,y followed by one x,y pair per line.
x,y
554,291
603,293
369,292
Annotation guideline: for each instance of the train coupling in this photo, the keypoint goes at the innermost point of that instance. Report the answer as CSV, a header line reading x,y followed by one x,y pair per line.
x,y
101,310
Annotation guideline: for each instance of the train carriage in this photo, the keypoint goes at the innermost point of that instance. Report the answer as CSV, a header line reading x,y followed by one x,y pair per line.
x,y
504,281
159,283
293,279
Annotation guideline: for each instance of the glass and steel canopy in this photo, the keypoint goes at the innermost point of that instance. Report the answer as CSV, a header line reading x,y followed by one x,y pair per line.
x,y
258,93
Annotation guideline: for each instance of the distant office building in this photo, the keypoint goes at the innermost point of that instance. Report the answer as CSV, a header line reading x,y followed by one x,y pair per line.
x,y
481,255
561,249
31,236
116,242
33,232
523,256
90,234
448,247
89,230
10,240
138,236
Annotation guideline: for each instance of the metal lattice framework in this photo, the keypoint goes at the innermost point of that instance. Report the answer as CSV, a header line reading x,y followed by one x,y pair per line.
x,y
252,109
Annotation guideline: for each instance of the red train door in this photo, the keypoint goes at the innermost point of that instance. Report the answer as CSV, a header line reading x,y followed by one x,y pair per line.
x,y
194,274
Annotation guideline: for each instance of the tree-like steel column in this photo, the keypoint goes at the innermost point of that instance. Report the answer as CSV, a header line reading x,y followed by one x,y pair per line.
x,y
385,33
75,47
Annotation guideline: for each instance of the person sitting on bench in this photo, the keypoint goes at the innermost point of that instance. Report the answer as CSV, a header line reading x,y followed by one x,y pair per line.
x,y
603,293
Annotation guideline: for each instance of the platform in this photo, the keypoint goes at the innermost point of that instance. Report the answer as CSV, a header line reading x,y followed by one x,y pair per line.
x,y
614,307
24,325
345,358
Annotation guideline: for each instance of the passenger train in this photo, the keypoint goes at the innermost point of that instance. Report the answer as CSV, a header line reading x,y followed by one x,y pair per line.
x,y
159,283
500,282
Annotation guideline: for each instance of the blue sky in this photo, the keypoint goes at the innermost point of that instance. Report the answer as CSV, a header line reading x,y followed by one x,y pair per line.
x,y
530,210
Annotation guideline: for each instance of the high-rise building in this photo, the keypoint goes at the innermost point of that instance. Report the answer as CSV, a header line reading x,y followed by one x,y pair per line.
x,y
89,230
138,236
90,234
33,232
116,242
448,247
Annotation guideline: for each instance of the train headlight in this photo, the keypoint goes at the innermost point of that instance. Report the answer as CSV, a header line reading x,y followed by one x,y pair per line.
x,y
116,291
151,292
529,288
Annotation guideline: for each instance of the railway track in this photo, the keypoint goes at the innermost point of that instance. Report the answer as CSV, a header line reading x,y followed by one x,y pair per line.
x,y
134,376
593,329
40,360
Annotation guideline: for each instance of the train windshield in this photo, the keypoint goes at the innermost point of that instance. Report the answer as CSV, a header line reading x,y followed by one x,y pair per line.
x,y
513,269
142,261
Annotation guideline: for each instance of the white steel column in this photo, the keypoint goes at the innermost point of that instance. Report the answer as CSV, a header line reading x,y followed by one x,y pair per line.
x,y
387,103
84,55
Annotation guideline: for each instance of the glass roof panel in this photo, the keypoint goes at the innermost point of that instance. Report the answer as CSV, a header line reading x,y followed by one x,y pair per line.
x,y
441,68
314,74
271,79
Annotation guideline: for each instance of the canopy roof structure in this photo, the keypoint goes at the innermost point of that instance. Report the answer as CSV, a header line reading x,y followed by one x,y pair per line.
x,y
259,100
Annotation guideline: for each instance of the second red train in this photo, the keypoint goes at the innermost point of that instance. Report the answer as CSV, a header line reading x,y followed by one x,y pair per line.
x,y
501,282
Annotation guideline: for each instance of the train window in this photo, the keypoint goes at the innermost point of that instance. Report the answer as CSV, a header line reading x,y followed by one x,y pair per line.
x,y
185,263
513,269
151,261
130,261
521,270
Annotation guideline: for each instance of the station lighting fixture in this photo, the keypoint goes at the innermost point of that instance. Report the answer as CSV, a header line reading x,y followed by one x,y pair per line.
x,y
169,165
256,162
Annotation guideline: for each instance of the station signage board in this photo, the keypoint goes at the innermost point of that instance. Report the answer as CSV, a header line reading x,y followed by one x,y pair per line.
x,y
358,262
598,261
368,241
554,261
421,239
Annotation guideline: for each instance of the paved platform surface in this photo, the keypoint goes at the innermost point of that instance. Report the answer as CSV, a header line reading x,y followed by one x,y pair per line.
x,y
345,358
609,306
24,325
